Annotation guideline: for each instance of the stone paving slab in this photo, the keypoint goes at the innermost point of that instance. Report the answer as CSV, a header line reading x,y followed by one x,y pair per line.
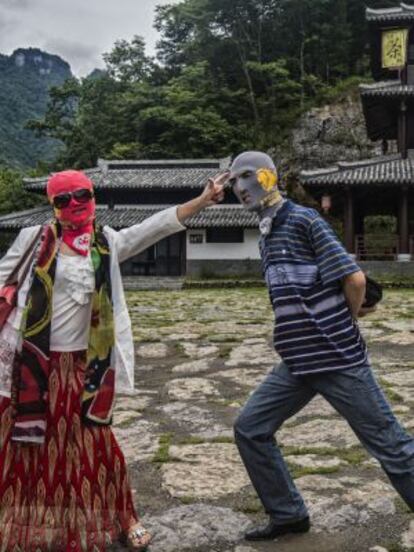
x,y
204,471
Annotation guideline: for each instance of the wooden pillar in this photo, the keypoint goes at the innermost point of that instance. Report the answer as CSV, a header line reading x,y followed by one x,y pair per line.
x,y
403,222
183,252
349,225
403,145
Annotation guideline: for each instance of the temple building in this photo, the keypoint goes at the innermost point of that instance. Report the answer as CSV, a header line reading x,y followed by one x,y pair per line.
x,y
382,185
220,241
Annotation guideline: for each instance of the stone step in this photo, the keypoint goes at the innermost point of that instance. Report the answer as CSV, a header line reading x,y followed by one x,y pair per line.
x,y
149,283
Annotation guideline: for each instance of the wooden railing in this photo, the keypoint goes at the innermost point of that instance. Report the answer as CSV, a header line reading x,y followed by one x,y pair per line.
x,y
377,247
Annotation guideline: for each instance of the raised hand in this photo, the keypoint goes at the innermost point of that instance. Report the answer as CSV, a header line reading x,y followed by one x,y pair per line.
x,y
214,191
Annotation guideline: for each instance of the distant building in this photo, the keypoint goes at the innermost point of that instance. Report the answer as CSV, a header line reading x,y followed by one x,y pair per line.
x,y
383,185
220,241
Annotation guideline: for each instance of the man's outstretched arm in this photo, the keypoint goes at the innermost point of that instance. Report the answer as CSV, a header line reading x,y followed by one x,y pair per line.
x,y
354,290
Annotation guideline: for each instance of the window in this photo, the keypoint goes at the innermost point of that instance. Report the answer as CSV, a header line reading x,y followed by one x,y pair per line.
x,y
225,235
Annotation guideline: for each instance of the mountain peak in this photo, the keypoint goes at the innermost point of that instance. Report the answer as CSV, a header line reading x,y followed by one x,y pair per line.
x,y
26,77
43,62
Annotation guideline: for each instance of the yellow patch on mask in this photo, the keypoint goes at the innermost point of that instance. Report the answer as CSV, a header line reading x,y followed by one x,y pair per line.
x,y
267,179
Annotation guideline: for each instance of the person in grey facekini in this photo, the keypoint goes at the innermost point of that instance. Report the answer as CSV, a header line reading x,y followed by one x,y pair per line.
x,y
317,292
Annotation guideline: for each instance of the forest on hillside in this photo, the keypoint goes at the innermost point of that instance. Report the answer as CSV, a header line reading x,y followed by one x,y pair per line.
x,y
228,75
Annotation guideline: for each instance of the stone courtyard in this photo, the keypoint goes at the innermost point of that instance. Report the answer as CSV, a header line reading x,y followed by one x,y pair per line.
x,y
199,355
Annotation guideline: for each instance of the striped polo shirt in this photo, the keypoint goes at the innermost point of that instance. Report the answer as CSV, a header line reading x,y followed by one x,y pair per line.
x,y
303,263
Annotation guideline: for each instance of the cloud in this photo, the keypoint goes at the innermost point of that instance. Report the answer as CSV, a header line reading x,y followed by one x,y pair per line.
x,y
83,56
14,4
76,30
7,26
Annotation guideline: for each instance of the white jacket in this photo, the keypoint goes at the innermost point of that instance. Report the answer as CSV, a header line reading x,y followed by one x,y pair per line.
x,y
123,244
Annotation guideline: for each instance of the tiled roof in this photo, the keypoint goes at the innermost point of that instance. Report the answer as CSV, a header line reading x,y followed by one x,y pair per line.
x,y
403,12
126,215
380,102
389,89
156,175
386,171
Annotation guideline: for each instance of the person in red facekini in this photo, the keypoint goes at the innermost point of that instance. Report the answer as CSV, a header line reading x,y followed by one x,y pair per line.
x,y
71,194
64,479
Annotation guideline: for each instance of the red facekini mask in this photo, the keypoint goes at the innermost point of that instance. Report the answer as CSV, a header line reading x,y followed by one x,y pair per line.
x,y
76,215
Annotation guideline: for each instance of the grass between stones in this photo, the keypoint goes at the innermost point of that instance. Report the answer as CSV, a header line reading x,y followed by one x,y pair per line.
x,y
179,349
354,455
401,506
225,351
191,440
250,505
162,456
297,471
163,453
398,548
194,440
187,499
126,423
391,395
224,338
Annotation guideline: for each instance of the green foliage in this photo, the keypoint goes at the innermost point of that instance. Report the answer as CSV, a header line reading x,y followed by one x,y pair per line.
x,y
127,61
380,224
163,453
184,120
13,197
229,75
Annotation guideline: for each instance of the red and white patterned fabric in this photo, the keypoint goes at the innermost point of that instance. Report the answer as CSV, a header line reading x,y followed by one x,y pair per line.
x,y
72,493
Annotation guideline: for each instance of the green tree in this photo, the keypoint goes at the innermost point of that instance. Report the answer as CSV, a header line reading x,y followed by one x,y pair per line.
x,y
181,120
13,196
88,115
229,75
127,61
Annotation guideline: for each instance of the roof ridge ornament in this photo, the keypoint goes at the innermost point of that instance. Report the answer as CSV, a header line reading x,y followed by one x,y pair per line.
x,y
384,11
362,163
403,11
408,7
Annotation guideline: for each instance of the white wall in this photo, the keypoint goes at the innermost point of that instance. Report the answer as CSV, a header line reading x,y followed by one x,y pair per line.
x,y
222,251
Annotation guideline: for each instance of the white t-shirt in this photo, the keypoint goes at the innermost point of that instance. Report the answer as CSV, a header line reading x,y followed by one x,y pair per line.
x,y
72,303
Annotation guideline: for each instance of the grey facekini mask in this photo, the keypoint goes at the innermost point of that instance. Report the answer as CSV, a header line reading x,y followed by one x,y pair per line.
x,y
253,178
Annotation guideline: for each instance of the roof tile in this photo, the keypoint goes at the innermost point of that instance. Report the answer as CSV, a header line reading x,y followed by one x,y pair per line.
x,y
121,216
386,171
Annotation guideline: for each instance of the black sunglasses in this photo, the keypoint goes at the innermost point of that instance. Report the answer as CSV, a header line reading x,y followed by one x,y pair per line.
x,y
83,195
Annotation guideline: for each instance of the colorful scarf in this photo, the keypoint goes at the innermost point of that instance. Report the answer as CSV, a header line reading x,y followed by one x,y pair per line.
x,y
31,371
78,239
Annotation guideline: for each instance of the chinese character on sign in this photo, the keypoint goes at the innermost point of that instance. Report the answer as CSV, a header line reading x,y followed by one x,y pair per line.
x,y
394,48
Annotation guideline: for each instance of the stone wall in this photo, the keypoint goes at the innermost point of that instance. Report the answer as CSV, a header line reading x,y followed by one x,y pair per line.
x,y
389,271
210,268
385,271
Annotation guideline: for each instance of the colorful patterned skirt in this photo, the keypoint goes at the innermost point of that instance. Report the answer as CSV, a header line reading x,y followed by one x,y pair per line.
x,y
72,493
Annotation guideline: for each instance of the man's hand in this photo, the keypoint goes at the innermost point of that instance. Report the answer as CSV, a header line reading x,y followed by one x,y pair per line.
x,y
363,311
212,194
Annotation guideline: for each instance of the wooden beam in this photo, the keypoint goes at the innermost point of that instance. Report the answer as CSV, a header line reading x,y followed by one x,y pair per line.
x,y
403,221
349,225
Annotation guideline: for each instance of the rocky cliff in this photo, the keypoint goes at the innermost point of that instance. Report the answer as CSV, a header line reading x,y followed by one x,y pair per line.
x,y
322,137
25,78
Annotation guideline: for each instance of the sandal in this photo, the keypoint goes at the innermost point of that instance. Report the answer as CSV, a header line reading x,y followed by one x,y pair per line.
x,y
137,538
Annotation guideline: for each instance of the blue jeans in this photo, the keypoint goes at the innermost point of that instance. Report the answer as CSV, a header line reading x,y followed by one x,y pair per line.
x,y
356,395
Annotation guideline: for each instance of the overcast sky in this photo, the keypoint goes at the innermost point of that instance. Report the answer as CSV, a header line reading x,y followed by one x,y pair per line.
x,y
77,30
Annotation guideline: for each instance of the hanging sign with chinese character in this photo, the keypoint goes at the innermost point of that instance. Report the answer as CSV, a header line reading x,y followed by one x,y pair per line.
x,y
394,48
